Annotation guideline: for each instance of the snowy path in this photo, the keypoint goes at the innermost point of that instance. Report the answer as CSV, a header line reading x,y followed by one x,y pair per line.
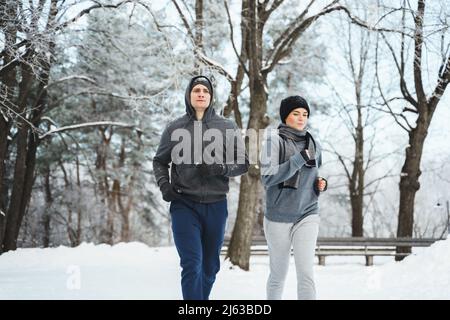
x,y
135,271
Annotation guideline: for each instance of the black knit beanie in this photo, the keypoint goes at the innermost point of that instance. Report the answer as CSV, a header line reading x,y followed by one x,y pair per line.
x,y
203,81
290,103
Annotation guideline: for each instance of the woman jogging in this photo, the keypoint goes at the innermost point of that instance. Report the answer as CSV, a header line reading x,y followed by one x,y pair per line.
x,y
290,161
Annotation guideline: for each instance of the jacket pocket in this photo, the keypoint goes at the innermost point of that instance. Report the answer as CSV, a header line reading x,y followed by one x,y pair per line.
x,y
187,177
316,191
277,199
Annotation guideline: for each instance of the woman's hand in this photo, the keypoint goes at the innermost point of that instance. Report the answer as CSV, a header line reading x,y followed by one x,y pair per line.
x,y
321,184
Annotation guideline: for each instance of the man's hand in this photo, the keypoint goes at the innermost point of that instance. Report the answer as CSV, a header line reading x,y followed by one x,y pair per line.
x,y
168,193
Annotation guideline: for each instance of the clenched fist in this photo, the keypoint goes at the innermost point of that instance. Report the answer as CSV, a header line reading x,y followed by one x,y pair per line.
x,y
321,184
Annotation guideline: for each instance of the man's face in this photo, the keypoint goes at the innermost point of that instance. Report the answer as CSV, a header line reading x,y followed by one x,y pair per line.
x,y
297,119
200,97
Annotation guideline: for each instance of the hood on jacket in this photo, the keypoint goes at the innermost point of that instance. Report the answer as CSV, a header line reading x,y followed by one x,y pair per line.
x,y
187,98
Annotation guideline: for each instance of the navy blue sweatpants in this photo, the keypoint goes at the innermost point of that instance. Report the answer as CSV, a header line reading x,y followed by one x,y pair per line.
x,y
198,231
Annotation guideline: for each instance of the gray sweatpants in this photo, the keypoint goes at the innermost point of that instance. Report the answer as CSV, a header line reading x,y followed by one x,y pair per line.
x,y
280,237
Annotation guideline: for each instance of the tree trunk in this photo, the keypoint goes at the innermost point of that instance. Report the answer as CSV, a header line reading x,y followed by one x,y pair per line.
x,y
199,24
424,107
107,233
26,151
232,104
48,203
241,238
240,242
3,189
4,132
14,217
125,210
7,88
254,15
357,182
119,209
125,232
71,233
34,75
79,214
409,180
356,201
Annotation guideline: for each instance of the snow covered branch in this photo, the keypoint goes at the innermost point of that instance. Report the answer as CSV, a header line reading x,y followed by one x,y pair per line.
x,y
283,44
215,65
185,22
443,81
267,12
90,124
200,55
98,5
373,27
232,38
10,109
71,78
15,62
287,38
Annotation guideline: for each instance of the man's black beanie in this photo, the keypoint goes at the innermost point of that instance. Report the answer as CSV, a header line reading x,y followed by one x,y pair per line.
x,y
290,103
201,80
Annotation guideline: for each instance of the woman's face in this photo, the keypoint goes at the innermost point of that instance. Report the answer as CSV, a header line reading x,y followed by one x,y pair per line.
x,y
297,119
200,97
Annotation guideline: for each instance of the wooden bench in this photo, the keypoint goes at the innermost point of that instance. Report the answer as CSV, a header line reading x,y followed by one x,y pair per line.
x,y
356,246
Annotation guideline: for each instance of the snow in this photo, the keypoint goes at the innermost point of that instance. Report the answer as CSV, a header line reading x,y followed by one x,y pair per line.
x,y
136,271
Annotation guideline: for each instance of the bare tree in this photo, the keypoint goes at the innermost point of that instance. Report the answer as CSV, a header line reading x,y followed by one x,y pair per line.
x,y
255,17
256,65
30,29
357,115
418,103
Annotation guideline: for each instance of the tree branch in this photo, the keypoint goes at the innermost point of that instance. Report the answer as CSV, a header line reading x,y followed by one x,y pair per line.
x,y
215,65
284,43
17,114
443,81
341,160
16,61
15,47
232,38
84,78
418,42
88,10
185,22
400,68
384,98
266,13
406,109
89,124
200,55
364,24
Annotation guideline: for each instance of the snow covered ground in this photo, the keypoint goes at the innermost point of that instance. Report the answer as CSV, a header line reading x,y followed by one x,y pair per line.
x,y
136,271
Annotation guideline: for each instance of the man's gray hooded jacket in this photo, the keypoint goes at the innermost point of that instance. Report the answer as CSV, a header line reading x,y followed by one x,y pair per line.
x,y
186,175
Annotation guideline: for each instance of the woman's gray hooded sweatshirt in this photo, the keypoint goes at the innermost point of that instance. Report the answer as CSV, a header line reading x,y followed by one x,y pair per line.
x,y
291,194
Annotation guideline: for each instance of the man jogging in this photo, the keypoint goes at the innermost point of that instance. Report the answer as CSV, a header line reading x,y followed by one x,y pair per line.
x,y
198,184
